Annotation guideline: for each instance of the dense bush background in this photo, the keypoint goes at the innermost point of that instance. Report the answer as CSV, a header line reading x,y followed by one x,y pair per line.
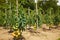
x,y
48,13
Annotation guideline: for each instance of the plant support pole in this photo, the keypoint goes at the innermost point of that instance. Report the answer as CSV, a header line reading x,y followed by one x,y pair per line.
x,y
6,13
17,7
17,11
37,15
28,26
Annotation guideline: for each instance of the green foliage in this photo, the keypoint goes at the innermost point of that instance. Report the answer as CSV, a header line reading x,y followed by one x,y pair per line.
x,y
40,17
48,13
22,20
31,19
56,20
2,18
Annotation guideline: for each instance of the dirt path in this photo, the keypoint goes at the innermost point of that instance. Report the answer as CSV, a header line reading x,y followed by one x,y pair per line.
x,y
4,35
48,35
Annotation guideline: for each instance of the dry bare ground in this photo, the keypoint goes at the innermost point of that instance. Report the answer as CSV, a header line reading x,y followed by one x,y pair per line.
x,y
42,35
53,34
4,35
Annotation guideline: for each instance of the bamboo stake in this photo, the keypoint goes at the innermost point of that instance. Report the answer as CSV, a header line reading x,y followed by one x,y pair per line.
x,y
17,7
6,12
37,14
